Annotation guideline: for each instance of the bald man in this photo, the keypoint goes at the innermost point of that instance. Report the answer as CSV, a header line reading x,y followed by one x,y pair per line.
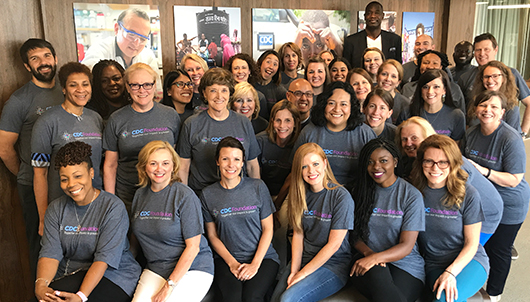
x,y
301,94
422,44
462,55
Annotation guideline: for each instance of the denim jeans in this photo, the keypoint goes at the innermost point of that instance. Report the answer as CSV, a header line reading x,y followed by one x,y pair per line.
x,y
320,284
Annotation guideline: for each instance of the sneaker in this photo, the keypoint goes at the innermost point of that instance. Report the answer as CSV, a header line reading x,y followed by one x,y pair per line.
x,y
495,298
515,254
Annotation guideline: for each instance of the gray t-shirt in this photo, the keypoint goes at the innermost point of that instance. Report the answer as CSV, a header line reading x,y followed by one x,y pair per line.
x,y
273,94
162,221
409,69
512,117
100,234
398,208
503,151
341,148
19,115
448,121
237,214
401,104
389,132
128,131
57,128
274,162
490,199
198,141
443,238
458,98
286,80
328,210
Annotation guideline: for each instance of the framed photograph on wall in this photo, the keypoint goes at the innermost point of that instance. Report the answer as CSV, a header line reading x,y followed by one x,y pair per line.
x,y
415,25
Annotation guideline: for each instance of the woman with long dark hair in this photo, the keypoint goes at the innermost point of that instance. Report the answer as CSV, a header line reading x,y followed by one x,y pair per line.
x,y
108,88
178,92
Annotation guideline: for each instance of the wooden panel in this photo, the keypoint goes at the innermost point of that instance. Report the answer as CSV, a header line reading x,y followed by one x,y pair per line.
x,y
24,22
459,25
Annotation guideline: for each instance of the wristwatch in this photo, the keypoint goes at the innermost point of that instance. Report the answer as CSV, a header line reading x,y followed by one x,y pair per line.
x,y
171,283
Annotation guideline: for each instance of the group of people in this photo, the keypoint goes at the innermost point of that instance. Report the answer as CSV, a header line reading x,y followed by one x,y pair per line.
x,y
270,180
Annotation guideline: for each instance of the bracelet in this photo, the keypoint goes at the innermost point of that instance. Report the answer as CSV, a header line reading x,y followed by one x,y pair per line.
x,y
450,273
42,279
82,296
489,173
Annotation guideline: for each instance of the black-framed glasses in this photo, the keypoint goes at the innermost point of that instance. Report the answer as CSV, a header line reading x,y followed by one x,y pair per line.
x,y
132,35
180,84
492,76
299,94
429,163
136,86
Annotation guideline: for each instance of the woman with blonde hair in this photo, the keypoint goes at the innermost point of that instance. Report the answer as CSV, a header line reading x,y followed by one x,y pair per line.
x,y
167,223
245,101
321,214
132,127
389,77
456,264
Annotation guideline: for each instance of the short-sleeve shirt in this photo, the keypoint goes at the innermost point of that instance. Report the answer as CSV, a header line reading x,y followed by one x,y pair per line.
x,y
401,103
328,210
398,208
503,151
78,236
389,132
237,214
199,138
447,121
341,148
128,131
274,162
57,128
162,221
20,113
443,238
273,94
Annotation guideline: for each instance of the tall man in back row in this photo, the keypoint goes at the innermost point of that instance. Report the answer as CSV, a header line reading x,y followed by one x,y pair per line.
x,y
372,36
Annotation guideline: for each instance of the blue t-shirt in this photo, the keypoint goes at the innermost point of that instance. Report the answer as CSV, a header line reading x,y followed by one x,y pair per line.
x,y
503,151
237,214
78,236
398,208
162,221
328,210
443,238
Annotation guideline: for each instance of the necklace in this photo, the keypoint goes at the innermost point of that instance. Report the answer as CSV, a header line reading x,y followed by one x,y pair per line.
x,y
77,217
78,117
435,115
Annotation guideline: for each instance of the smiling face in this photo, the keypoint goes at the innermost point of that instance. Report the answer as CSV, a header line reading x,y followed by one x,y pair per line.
x,y
338,110
142,98
361,86
303,103
245,105
490,112
42,64
377,112
182,94
159,169
338,72
388,78
217,97
484,52
269,67
372,61
112,83
327,57
313,171
290,59
492,78
240,70
195,71
430,61
411,138
230,163
463,53
381,167
436,177
78,91
130,44
76,182
422,44
432,92
316,74
283,125
373,16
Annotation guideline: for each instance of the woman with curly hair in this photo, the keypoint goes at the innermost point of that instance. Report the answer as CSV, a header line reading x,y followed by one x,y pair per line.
x,y
389,214
321,214
85,251
456,264
290,63
167,223
339,129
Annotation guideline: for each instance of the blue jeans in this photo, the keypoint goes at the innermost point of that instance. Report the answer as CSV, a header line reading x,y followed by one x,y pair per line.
x,y
468,282
320,284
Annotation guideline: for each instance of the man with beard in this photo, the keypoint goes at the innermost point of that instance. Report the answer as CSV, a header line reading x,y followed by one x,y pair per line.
x,y
389,43
18,117
462,55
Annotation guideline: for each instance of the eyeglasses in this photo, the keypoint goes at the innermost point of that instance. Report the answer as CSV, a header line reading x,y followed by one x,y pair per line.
x,y
492,76
299,94
132,35
429,163
136,86
182,84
